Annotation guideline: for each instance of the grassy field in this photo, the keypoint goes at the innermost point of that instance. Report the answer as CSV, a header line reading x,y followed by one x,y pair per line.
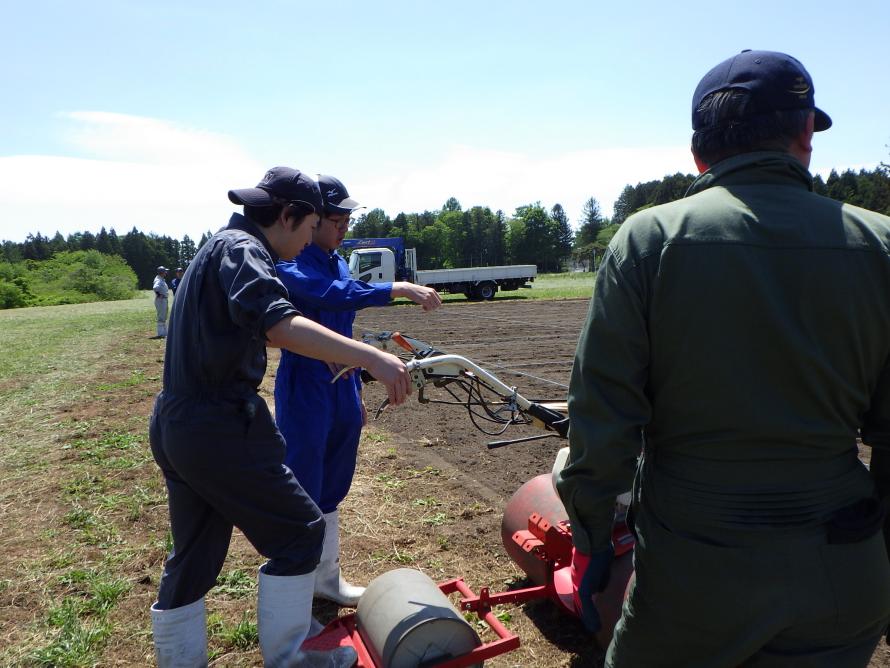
x,y
83,518
74,473
547,286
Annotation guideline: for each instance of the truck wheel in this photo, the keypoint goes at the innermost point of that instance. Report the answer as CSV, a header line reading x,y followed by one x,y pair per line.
x,y
487,290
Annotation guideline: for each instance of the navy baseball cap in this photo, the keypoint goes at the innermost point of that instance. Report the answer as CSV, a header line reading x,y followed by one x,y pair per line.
x,y
775,81
335,196
282,183
160,269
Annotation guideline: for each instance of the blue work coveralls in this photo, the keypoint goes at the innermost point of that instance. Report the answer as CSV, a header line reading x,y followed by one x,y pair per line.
x,y
321,422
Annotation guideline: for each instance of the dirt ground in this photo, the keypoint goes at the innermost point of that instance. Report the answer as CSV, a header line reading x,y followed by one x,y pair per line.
x,y
427,494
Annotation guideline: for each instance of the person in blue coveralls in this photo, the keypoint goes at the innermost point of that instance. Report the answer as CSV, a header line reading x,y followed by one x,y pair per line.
x,y
320,421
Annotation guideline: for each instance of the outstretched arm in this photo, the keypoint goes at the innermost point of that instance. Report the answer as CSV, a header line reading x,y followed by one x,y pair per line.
x,y
305,337
428,298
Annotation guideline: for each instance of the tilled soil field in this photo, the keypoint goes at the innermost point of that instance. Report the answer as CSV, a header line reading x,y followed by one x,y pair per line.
x,y
529,345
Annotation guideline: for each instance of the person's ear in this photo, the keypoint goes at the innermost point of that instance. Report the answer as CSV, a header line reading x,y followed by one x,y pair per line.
x,y
700,164
802,145
284,216
806,137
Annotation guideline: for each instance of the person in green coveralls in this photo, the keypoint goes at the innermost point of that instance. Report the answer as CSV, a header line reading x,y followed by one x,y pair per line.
x,y
737,344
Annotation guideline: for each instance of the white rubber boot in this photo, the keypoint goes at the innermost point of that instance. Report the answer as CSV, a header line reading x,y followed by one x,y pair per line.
x,y
180,636
329,582
284,615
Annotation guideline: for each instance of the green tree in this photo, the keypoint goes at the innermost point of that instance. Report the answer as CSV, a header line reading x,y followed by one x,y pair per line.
x,y
431,246
375,223
103,243
592,222
496,239
457,237
87,241
114,243
57,244
187,251
481,225
517,248
36,247
69,277
139,254
15,288
651,193
451,204
564,235
540,238
12,252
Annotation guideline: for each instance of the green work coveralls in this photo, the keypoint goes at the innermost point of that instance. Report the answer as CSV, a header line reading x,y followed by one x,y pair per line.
x,y
739,339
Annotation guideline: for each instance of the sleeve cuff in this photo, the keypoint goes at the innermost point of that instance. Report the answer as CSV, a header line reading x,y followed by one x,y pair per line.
x,y
276,314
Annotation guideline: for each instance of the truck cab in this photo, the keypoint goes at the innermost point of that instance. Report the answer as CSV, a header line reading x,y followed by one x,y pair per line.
x,y
373,265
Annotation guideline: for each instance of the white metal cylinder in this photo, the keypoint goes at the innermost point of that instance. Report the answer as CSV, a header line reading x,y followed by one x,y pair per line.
x,y
406,621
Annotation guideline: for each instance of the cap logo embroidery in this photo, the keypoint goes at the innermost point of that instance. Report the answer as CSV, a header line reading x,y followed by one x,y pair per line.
x,y
801,88
331,193
268,177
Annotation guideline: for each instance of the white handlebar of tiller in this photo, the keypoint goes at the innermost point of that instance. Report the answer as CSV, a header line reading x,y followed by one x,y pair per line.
x,y
452,366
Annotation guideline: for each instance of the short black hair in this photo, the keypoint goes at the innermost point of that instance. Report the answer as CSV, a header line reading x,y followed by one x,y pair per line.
x,y
729,132
264,216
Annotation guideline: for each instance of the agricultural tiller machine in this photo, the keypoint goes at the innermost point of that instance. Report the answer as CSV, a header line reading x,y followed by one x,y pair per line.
x,y
404,619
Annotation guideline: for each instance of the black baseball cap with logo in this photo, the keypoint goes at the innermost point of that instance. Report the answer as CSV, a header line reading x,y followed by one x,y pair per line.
x,y
281,183
335,196
775,82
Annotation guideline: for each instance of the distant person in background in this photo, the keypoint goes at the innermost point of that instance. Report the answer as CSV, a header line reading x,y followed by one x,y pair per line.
x,y
175,282
322,422
739,340
161,292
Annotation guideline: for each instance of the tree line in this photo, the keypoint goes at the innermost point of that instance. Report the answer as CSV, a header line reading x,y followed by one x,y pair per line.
x,y
144,253
453,236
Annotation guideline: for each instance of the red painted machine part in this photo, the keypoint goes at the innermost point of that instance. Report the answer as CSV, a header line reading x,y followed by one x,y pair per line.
x,y
537,537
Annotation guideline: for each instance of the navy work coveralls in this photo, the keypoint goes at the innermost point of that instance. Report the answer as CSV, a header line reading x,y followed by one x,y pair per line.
x,y
211,433
321,422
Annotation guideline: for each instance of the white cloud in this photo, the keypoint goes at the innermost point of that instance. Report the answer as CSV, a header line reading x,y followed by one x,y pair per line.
x,y
142,172
139,139
504,180
165,178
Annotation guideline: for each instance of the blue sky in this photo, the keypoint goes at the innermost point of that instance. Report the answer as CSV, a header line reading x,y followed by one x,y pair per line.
x,y
144,114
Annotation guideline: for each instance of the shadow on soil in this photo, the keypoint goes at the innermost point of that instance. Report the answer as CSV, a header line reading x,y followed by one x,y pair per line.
x,y
561,630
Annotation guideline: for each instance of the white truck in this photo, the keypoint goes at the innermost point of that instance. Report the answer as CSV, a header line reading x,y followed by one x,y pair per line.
x,y
386,259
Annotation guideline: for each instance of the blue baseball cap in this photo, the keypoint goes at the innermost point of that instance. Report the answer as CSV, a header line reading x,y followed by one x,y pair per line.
x,y
281,183
775,82
335,196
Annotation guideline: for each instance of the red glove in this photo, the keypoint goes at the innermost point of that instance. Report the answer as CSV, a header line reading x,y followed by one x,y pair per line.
x,y
590,575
